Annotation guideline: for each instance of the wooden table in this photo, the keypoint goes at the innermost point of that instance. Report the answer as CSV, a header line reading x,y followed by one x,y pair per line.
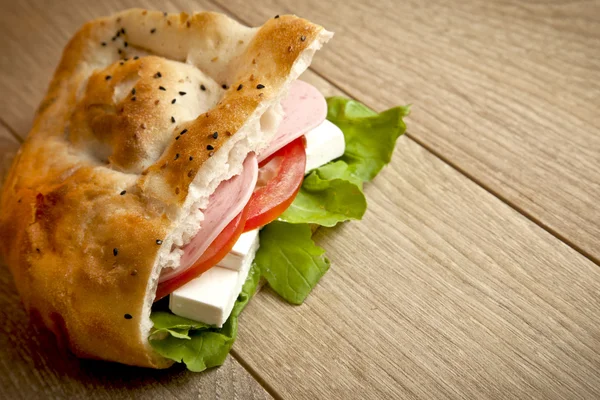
x,y
475,272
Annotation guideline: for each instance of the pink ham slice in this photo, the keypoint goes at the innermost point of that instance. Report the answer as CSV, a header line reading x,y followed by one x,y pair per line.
x,y
304,109
228,200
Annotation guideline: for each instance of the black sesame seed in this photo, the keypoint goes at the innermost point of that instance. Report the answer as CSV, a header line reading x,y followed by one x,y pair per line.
x,y
210,147
152,30
118,34
128,316
135,58
134,272
240,87
115,252
103,43
158,242
123,31
133,91
173,119
191,158
173,101
162,88
121,62
133,98
183,131
211,153
260,86
38,250
119,51
123,192
215,135
202,87
303,38
277,16
158,75
125,44
176,156
177,138
182,93
224,86
113,38
108,77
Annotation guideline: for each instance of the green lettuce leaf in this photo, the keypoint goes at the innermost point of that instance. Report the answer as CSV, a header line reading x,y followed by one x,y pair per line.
x,y
201,346
370,137
339,170
328,195
289,260
333,192
176,326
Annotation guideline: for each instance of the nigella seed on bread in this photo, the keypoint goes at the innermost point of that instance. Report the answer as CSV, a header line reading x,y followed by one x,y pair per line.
x,y
68,233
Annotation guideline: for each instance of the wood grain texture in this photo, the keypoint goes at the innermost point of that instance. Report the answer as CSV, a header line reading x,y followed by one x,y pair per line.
x,y
442,291
507,91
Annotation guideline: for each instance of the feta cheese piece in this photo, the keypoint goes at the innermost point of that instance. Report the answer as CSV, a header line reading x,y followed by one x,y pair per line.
x,y
323,144
246,244
210,297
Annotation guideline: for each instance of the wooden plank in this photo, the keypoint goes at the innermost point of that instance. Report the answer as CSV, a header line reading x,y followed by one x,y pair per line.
x,y
32,367
507,91
442,291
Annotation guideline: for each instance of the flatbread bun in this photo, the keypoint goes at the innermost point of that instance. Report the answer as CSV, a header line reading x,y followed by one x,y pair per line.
x,y
110,182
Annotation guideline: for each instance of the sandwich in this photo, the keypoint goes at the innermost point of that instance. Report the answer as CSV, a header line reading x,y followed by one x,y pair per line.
x,y
175,163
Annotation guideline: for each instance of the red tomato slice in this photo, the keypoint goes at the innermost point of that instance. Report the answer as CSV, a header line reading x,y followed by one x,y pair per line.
x,y
270,201
217,250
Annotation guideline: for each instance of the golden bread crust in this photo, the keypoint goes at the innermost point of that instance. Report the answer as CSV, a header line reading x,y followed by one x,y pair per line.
x,y
83,209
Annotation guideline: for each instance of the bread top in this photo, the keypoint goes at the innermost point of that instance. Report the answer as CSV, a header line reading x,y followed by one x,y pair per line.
x,y
138,106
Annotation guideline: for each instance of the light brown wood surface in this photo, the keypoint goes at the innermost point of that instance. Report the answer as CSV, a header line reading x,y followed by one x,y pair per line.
x,y
442,291
506,91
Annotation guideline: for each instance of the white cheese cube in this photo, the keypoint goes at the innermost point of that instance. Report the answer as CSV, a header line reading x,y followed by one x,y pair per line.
x,y
206,298
323,144
246,244
210,297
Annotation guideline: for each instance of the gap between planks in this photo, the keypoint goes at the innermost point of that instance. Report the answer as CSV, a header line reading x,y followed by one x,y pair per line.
x,y
454,166
254,373
11,130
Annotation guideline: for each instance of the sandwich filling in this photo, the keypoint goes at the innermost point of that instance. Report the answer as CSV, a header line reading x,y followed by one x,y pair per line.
x,y
304,108
330,160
